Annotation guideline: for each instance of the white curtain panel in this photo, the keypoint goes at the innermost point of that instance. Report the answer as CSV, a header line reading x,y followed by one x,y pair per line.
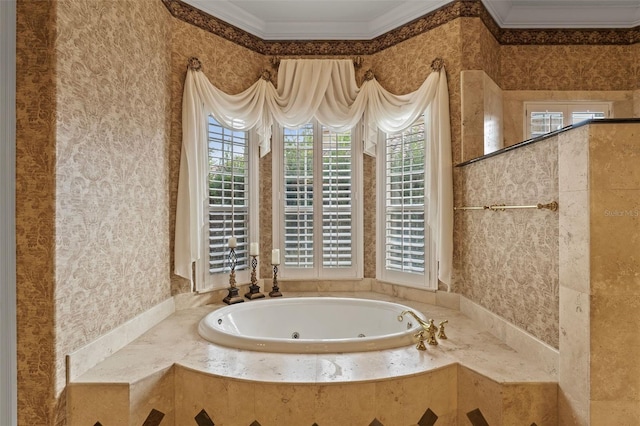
x,y
324,89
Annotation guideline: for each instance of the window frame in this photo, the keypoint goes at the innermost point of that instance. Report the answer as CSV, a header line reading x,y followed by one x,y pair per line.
x,y
207,282
429,279
567,108
318,272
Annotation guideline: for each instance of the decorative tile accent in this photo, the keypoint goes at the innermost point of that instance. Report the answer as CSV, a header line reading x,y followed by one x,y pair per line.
x,y
429,418
376,422
98,424
203,419
455,9
476,418
154,418
255,423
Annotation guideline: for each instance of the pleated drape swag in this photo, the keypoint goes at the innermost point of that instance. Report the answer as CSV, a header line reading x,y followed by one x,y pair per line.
x,y
326,90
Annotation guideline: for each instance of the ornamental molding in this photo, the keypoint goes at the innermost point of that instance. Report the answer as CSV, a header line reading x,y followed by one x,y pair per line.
x,y
447,13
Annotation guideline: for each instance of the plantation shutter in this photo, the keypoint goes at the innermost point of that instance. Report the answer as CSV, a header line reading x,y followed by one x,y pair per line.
x,y
228,196
336,200
298,197
405,203
318,203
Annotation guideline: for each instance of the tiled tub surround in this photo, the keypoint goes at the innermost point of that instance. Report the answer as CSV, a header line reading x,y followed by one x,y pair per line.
x,y
599,182
173,374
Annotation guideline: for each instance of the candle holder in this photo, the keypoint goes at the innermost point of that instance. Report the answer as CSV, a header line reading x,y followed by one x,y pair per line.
x,y
254,288
233,296
275,291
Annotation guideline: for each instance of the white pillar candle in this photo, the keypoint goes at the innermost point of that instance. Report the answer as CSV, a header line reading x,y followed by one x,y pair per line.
x,y
275,257
233,242
253,249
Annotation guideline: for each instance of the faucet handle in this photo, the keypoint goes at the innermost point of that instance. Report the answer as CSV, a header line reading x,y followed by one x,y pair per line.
x,y
421,338
441,333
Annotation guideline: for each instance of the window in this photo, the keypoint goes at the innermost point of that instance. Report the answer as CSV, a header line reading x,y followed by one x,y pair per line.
x,y
404,239
316,187
232,192
542,118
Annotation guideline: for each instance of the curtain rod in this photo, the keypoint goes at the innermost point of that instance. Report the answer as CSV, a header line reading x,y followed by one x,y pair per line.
x,y
553,206
275,61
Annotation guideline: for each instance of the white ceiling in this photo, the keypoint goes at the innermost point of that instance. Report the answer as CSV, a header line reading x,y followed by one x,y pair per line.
x,y
367,19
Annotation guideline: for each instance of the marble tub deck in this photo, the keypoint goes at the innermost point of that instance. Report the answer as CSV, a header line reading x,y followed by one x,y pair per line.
x,y
171,370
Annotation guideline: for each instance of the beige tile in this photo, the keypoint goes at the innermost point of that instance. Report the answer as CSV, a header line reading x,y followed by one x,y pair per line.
x,y
443,402
484,318
512,119
618,413
448,300
363,284
154,392
536,351
449,419
614,155
104,403
291,285
524,404
193,392
472,96
277,404
225,400
478,391
615,345
615,242
241,402
351,404
573,160
404,401
416,294
382,287
326,285
391,396
493,115
570,411
573,375
573,241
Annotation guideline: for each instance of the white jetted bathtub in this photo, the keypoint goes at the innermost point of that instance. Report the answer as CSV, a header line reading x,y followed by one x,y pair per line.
x,y
310,325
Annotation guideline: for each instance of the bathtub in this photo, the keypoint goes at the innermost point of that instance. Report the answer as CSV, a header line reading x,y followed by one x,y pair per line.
x,y
310,325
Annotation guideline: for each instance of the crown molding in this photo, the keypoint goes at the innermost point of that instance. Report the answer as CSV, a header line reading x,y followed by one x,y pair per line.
x,y
444,14
228,11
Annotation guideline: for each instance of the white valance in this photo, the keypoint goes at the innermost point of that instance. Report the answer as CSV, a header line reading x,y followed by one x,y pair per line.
x,y
324,89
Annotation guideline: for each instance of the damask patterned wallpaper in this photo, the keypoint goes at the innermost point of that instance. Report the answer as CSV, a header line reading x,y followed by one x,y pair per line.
x,y
480,49
93,181
112,203
404,66
507,261
35,197
231,68
568,67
